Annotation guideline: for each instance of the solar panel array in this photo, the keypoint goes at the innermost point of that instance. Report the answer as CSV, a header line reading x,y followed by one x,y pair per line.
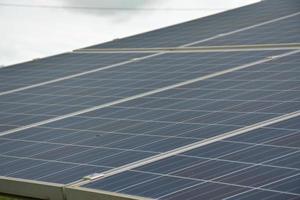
x,y
167,125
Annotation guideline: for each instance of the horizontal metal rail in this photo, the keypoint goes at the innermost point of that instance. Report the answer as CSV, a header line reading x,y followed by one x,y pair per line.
x,y
200,49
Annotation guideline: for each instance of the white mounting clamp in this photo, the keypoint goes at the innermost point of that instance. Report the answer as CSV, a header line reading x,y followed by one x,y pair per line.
x,y
93,176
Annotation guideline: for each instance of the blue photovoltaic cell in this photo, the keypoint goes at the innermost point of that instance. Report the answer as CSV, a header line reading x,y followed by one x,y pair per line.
x,y
207,27
37,71
137,129
263,194
56,99
211,172
289,32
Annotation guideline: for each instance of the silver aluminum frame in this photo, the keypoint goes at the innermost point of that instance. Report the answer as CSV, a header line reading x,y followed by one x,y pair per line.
x,y
52,191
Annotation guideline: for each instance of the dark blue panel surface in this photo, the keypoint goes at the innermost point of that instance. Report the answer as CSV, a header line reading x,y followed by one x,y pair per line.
x,y
123,180
159,187
56,99
221,170
288,185
260,164
259,194
289,32
138,129
55,67
258,176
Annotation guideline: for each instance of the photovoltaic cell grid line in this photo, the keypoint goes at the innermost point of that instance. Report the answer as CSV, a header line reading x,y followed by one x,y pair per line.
x,y
260,164
118,135
37,71
289,32
57,99
197,30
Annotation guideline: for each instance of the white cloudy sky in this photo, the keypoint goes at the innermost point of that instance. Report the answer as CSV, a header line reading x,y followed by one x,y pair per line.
x,y
35,32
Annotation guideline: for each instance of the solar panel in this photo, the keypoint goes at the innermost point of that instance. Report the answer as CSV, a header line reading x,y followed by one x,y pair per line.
x,y
60,66
212,26
242,167
214,123
134,130
289,32
55,99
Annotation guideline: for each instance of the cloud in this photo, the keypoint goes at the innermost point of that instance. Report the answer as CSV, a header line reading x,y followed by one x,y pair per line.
x,y
109,3
106,7
29,33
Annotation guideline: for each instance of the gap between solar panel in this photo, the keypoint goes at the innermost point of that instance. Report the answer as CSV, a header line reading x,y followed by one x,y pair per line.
x,y
126,62
201,49
180,150
219,73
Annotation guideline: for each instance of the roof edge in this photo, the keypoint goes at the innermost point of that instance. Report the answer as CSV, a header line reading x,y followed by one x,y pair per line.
x,y
53,191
